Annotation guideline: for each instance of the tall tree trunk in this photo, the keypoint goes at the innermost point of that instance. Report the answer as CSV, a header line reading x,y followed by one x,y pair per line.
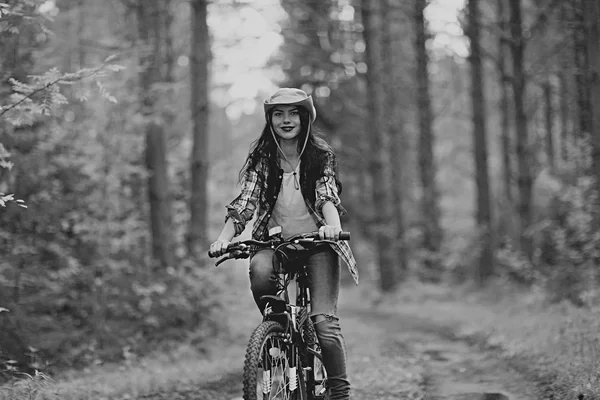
x,y
565,85
549,119
156,157
169,49
200,58
380,162
393,37
592,22
504,81
564,114
80,33
525,179
432,232
580,42
484,212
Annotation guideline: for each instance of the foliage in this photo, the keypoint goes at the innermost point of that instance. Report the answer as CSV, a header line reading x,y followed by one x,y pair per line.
x,y
567,239
42,95
32,387
74,268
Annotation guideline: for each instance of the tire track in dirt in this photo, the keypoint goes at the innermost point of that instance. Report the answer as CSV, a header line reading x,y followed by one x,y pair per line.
x,y
450,368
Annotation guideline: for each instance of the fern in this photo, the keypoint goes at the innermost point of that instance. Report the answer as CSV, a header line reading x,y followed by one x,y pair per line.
x,y
43,93
41,96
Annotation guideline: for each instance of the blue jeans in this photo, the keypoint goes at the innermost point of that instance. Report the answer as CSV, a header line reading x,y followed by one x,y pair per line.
x,y
323,268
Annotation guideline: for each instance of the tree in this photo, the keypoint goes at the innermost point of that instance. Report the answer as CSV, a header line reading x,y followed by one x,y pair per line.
x,y
549,122
483,212
525,179
156,158
580,53
200,59
591,14
384,222
395,110
504,83
432,232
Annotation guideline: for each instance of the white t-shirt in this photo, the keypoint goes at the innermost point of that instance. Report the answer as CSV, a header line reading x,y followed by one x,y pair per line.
x,y
290,211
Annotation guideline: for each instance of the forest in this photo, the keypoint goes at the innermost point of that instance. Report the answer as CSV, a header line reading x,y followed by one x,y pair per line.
x,y
468,150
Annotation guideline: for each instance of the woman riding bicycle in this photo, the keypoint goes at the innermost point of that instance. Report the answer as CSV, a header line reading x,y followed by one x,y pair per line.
x,y
289,178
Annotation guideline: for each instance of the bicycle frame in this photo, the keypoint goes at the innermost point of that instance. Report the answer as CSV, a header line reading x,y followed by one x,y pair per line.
x,y
296,322
296,313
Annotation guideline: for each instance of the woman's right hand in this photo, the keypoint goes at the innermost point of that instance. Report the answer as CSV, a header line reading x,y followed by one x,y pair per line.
x,y
218,248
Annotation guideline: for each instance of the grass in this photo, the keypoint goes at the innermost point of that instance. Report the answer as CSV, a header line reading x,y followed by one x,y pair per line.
x,y
135,376
557,344
126,381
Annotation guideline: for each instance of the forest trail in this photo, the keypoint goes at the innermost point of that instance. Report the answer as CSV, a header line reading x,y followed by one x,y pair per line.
x,y
394,355
448,368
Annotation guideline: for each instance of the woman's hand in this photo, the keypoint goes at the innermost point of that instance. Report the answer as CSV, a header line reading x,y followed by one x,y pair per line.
x,y
218,248
330,232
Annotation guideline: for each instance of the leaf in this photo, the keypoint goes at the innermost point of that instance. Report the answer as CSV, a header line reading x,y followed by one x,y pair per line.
x,y
115,67
3,152
6,164
110,58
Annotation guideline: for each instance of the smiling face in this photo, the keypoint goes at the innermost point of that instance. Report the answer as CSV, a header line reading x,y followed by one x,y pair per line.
x,y
286,122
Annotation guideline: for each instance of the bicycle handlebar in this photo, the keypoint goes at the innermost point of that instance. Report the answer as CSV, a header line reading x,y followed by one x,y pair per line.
x,y
241,249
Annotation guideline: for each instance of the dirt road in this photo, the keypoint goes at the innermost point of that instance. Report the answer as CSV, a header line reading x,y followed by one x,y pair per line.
x,y
395,356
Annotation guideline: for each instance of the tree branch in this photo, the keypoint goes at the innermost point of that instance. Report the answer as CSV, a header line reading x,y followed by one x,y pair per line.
x,y
46,86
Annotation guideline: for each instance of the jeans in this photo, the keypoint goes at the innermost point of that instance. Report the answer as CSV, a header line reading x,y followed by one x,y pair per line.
x,y
323,269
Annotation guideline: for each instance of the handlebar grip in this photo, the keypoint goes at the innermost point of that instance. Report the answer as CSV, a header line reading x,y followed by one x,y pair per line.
x,y
344,235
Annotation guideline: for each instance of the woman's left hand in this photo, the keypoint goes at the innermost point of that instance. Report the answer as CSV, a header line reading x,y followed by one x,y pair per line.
x,y
330,232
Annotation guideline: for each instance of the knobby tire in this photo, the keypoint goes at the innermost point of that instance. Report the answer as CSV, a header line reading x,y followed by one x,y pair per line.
x,y
265,337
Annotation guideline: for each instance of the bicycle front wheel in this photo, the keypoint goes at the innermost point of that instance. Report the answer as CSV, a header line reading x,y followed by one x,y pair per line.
x,y
272,369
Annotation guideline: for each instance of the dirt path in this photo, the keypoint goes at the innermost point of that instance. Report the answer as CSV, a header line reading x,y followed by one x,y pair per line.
x,y
395,356
448,368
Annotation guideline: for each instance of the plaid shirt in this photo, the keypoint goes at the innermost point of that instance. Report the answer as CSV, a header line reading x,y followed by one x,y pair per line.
x,y
241,210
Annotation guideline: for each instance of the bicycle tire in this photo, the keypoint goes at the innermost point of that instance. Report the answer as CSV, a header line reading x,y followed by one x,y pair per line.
x,y
316,376
276,380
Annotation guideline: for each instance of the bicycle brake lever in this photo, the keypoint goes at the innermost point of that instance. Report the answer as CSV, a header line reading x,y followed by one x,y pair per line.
x,y
238,254
222,260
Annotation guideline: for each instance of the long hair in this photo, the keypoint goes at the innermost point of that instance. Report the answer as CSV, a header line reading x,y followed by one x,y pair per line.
x,y
313,158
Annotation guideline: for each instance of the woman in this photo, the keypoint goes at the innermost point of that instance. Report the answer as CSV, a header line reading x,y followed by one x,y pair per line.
x,y
289,178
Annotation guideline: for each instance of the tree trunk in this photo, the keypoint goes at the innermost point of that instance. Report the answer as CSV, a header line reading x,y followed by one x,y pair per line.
x,y
505,139
549,114
580,42
525,180
432,233
200,58
564,115
592,22
484,213
156,158
169,53
393,37
380,162
80,33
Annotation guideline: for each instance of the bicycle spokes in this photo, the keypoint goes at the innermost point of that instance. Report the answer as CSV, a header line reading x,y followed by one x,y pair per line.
x,y
276,378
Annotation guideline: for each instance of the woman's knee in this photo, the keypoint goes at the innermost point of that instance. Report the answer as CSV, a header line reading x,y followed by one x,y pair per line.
x,y
327,328
261,271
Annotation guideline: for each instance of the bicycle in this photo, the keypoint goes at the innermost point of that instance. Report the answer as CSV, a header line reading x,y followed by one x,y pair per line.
x,y
283,358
